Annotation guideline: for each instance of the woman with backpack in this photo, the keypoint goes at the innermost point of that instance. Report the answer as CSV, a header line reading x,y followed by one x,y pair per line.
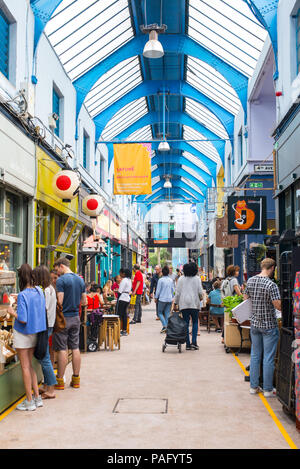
x,y
230,285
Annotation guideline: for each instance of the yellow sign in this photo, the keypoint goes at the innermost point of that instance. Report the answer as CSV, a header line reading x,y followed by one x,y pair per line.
x,y
132,169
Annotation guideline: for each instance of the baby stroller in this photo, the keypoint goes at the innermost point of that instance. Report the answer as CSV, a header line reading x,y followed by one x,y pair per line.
x,y
176,331
94,320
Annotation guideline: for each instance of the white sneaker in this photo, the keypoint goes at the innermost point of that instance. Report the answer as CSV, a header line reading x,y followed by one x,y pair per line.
x,y
27,405
38,401
254,390
270,393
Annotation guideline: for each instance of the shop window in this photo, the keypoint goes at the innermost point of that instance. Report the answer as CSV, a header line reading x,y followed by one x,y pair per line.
x,y
4,35
102,169
11,220
240,148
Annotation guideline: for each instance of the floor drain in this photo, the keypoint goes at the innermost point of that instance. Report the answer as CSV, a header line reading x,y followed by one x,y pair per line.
x,y
141,406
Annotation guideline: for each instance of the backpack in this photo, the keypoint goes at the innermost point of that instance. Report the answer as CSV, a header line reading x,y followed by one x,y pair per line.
x,y
226,289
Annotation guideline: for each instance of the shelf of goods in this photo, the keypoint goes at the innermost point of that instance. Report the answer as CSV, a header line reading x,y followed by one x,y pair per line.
x,y
11,381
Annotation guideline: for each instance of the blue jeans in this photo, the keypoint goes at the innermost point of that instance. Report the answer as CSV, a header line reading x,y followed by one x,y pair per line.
x,y
163,311
49,376
194,314
264,345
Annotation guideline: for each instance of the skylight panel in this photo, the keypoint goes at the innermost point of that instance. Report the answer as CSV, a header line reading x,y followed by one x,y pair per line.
x,y
204,146
144,133
113,85
196,161
205,117
87,31
230,31
124,118
193,173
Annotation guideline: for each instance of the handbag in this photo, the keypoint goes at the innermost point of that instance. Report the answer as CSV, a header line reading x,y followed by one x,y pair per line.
x,y
60,322
42,342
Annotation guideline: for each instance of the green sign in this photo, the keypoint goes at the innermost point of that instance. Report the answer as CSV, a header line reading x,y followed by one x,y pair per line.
x,y
256,185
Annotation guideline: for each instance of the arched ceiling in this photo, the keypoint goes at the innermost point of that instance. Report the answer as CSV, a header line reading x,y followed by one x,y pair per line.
x,y
211,49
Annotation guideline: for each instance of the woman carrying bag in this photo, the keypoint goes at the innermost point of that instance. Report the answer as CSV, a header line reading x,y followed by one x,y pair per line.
x,y
30,319
42,278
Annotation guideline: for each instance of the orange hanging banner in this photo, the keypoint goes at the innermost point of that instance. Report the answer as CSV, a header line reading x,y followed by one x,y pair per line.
x,y
132,169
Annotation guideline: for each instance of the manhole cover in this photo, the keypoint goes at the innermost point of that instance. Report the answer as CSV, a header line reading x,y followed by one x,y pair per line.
x,y
141,406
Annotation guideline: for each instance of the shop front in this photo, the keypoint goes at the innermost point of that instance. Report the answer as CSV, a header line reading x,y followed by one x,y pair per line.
x,y
57,224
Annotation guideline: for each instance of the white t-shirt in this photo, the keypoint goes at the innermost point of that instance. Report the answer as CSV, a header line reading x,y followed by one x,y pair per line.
x,y
50,297
125,289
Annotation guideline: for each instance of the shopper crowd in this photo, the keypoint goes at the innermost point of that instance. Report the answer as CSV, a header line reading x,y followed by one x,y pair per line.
x,y
54,302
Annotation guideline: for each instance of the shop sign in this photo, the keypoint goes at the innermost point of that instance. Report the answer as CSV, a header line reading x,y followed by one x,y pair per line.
x,y
264,168
223,239
256,185
247,215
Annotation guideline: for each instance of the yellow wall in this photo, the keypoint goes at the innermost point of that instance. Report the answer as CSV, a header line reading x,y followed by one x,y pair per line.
x,y
47,168
220,192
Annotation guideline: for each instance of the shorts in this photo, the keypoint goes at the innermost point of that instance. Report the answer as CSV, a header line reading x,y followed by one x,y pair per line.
x,y
67,338
24,340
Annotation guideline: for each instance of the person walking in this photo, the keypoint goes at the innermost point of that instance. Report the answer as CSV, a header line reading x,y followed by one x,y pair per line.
x,y
156,276
265,298
137,290
70,294
164,296
42,279
230,286
188,297
124,298
30,318
172,275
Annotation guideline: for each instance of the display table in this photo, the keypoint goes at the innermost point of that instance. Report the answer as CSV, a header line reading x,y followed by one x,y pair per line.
x,y
11,383
235,336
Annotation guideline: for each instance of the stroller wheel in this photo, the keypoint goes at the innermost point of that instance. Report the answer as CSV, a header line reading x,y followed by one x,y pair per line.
x,y
92,347
164,347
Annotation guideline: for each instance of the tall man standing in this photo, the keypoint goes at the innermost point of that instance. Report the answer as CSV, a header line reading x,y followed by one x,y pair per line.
x,y
70,294
137,289
265,299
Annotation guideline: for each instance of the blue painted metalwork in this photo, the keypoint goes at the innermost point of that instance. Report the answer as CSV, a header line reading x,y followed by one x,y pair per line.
x,y
181,160
43,10
5,44
150,88
266,13
177,117
178,171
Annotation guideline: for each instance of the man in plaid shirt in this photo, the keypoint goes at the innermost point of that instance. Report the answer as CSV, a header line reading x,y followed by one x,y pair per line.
x,y
265,298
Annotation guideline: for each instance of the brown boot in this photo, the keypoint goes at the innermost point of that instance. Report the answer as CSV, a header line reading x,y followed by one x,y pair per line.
x,y
75,383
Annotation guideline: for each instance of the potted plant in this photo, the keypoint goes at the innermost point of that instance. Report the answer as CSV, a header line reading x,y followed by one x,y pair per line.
x,y
231,302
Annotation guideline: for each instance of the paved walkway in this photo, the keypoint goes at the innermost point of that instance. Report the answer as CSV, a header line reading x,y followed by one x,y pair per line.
x,y
208,401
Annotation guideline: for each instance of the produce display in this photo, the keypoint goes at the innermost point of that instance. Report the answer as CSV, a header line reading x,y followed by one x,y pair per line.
x,y
231,302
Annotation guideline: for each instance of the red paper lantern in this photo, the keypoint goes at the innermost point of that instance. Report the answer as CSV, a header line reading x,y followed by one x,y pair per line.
x,y
66,185
92,205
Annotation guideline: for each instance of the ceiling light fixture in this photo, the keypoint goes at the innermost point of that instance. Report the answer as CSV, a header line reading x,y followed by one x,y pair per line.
x,y
153,48
168,184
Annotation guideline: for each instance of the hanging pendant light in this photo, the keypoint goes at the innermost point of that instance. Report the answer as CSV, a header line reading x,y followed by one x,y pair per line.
x,y
153,48
164,146
168,184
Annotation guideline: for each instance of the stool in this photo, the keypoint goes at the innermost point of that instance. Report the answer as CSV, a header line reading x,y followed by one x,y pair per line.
x,y
109,332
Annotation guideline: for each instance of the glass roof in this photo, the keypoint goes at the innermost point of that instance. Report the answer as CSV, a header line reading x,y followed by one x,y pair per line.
x,y
204,147
229,29
206,79
196,161
124,118
114,84
84,32
145,133
204,116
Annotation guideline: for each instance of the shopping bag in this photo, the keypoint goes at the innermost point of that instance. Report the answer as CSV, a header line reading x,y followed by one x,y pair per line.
x,y
133,300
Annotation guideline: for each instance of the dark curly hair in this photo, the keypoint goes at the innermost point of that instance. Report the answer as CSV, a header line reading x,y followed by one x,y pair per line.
x,y
190,270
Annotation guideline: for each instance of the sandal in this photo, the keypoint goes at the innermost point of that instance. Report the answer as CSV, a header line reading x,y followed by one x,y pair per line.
x,y
46,396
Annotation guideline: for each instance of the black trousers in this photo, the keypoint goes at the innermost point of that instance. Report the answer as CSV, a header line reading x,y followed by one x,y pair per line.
x,y
122,312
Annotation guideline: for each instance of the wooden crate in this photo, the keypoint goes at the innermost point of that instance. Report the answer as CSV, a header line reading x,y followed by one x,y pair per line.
x,y
232,337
